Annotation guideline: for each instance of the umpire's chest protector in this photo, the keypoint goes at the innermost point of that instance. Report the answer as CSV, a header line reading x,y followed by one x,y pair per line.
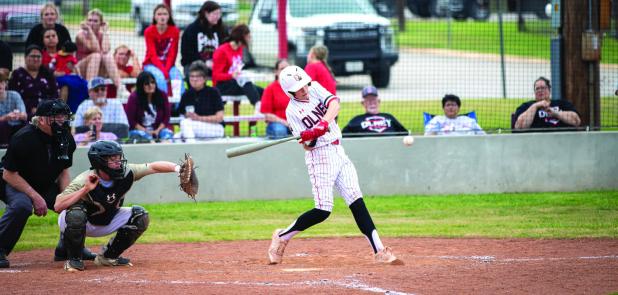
x,y
104,202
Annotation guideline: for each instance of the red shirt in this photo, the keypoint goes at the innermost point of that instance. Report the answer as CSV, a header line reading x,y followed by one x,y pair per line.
x,y
128,69
62,61
46,59
161,49
320,73
274,100
224,61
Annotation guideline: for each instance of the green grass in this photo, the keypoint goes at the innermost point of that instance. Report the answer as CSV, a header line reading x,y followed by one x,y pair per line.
x,y
529,215
72,12
484,37
494,115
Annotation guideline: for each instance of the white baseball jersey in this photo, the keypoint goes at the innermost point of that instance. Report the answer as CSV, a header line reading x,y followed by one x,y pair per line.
x,y
327,163
303,115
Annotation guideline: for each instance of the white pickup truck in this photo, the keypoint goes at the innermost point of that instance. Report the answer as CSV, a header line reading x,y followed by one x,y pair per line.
x,y
359,40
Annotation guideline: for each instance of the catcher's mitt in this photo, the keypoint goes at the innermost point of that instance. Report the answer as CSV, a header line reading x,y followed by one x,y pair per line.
x,y
188,179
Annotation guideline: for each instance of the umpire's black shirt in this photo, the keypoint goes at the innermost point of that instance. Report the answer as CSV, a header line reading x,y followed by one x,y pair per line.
x,y
30,153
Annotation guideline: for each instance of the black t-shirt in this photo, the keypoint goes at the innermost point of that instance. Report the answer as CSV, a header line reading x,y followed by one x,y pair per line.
x,y
542,118
378,123
36,35
199,42
207,101
33,155
6,61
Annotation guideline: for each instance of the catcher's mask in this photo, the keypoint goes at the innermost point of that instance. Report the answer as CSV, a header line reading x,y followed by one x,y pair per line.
x,y
99,154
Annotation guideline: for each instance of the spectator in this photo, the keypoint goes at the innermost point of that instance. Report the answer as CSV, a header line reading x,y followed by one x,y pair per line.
x,y
128,67
148,111
203,36
318,69
12,112
227,74
202,107
60,61
274,103
373,121
162,48
452,123
113,112
34,82
49,20
94,119
93,46
544,112
6,62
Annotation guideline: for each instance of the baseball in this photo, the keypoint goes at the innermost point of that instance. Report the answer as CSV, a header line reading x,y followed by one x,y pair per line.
x,y
408,140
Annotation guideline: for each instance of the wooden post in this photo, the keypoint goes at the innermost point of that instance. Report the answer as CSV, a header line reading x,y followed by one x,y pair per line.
x,y
580,78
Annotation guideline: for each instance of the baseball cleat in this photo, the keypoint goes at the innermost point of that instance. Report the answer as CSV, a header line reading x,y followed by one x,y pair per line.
x,y
4,263
386,256
104,261
61,254
277,246
74,265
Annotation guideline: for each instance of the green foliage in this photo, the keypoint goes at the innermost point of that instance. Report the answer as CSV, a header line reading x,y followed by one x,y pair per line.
x,y
529,215
484,37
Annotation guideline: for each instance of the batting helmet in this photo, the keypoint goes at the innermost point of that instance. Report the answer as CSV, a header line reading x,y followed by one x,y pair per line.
x,y
99,153
293,78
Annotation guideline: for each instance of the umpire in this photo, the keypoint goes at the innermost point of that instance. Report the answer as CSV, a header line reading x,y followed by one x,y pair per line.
x,y
35,170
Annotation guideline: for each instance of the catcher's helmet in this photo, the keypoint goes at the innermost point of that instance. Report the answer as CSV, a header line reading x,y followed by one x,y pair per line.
x,y
99,153
293,78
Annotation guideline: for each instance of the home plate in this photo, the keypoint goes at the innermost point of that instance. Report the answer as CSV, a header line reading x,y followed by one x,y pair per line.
x,y
301,269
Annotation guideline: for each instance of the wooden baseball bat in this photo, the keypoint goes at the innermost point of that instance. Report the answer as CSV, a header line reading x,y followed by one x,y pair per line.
x,y
254,147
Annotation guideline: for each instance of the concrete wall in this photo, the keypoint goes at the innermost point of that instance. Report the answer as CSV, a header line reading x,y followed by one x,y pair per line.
x,y
433,165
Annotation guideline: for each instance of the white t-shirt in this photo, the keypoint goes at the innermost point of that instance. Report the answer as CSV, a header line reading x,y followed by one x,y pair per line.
x,y
303,115
462,125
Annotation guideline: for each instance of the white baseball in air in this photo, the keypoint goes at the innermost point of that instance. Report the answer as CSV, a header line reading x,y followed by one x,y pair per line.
x,y
408,140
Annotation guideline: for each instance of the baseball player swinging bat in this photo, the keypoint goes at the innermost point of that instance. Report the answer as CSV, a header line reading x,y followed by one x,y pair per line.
x,y
254,147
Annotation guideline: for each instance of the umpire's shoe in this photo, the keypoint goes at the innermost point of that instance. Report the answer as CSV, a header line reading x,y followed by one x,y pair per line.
x,y
4,263
104,261
74,265
277,247
386,256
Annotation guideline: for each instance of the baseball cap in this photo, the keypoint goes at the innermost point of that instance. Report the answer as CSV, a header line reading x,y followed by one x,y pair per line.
x,y
370,90
96,82
52,107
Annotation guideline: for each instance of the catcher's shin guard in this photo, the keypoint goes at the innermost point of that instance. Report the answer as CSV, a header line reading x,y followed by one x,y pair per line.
x,y
74,235
128,233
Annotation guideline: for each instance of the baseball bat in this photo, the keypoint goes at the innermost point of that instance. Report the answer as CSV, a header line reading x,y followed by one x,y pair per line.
x,y
254,147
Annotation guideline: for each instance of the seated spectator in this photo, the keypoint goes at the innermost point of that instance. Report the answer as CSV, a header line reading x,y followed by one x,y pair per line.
x,y
274,103
93,46
373,122
12,112
6,62
162,48
49,20
34,82
94,119
452,123
318,69
114,115
227,73
128,67
203,36
202,107
543,112
61,61
148,111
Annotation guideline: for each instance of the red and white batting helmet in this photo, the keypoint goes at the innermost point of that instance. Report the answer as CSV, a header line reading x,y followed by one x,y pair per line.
x,y
292,79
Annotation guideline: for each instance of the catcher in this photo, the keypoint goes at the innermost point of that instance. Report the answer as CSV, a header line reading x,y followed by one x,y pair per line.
x,y
91,205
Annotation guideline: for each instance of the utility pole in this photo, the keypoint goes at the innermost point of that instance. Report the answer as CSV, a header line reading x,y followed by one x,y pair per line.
x,y
581,67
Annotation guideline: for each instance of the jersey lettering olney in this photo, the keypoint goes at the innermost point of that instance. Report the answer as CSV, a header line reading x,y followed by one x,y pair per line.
x,y
315,116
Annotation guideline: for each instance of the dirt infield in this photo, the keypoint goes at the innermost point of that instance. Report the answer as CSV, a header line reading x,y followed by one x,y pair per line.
x,y
334,266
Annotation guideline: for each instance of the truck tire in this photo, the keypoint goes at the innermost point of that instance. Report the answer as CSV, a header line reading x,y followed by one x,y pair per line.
x,y
381,76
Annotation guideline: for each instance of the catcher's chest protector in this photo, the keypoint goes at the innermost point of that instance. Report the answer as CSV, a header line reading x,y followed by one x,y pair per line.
x,y
105,201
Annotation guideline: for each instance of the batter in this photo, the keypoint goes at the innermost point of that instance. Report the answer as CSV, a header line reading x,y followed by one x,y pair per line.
x,y
311,114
